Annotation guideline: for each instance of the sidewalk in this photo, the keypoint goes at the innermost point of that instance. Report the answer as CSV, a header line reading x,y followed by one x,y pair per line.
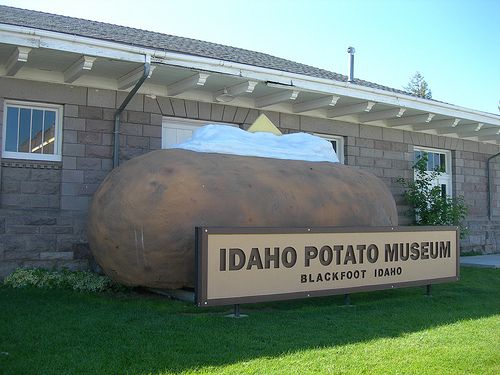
x,y
487,261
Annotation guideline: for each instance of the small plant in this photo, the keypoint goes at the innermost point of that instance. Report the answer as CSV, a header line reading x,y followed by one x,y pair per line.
x,y
428,206
82,281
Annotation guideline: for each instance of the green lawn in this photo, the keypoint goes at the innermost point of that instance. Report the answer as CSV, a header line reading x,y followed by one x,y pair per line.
x,y
456,331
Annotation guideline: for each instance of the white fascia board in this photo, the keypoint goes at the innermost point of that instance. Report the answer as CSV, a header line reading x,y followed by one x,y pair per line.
x,y
121,51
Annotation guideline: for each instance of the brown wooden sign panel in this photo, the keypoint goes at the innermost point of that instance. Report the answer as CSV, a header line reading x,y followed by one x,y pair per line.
x,y
246,265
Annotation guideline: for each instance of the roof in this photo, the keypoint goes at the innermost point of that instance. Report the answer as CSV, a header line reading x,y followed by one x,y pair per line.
x,y
171,43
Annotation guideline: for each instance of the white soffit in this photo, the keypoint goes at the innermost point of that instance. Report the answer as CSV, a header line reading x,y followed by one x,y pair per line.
x,y
251,86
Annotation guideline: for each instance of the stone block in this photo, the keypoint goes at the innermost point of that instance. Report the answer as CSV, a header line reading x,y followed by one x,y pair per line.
x,y
9,186
74,265
396,146
151,130
39,201
139,117
370,153
30,187
228,114
55,255
101,126
108,139
166,106
370,132
362,142
179,107
55,229
74,203
394,155
70,136
107,164
383,163
151,105
365,162
44,92
215,114
156,119
392,135
94,113
48,175
70,188
241,114
89,138
69,162
471,146
15,200
401,164
70,149
154,143
101,98
135,104
88,189
131,129
138,142
88,163
95,151
41,242
22,229
70,110
15,174
72,176
71,123
289,121
352,151
274,117
251,116
191,109
382,145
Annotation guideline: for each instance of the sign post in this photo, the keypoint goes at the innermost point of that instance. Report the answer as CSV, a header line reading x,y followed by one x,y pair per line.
x,y
247,265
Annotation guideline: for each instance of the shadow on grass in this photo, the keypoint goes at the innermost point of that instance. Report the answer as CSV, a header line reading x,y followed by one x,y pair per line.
x,y
54,332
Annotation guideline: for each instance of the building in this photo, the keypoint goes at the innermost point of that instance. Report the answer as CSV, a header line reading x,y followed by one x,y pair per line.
x,y
64,82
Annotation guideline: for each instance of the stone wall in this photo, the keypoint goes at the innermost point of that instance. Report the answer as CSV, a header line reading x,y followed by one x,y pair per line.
x,y
43,205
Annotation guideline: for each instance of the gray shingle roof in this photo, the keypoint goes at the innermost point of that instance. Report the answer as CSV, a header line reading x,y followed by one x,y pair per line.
x,y
136,37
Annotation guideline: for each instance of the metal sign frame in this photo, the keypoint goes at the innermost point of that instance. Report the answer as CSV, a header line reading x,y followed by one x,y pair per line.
x,y
201,259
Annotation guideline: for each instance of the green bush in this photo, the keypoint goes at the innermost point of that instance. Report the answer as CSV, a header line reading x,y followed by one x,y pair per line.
x,y
427,204
76,280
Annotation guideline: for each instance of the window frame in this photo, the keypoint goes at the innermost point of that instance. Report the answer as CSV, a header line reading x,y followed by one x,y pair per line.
x,y
447,176
57,108
340,144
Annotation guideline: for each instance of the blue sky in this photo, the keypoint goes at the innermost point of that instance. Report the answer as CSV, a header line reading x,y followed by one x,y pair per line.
x,y
454,44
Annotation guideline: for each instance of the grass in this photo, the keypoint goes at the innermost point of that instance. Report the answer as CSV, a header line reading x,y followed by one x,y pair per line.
x,y
456,331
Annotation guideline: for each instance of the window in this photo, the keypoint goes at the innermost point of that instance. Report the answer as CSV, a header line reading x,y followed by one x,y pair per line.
x,y
438,160
337,144
178,130
32,131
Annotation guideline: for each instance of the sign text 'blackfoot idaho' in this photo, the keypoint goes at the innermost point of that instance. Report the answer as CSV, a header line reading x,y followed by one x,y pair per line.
x,y
237,265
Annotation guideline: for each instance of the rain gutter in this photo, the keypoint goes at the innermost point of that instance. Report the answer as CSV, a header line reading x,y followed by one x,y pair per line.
x,y
116,149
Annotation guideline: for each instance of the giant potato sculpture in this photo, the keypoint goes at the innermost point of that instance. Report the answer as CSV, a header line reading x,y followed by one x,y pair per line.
x,y
142,219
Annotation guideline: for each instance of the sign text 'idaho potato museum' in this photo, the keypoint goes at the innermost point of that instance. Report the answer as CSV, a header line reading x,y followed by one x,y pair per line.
x,y
242,265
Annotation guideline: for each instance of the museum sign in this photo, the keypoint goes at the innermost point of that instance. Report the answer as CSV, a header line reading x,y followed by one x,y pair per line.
x,y
246,265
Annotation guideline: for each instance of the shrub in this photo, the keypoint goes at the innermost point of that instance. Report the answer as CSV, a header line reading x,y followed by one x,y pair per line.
x,y
427,204
76,280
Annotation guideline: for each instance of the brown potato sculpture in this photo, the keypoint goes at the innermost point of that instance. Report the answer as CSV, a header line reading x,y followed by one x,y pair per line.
x,y
142,219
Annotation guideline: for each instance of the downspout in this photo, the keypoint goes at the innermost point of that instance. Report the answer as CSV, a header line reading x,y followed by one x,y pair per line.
x,y
490,187
116,150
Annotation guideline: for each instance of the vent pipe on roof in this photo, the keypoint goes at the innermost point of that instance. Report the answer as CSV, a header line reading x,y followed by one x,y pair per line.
x,y
351,51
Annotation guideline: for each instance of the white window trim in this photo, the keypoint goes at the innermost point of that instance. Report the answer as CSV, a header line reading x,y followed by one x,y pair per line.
x,y
448,166
57,155
340,144
188,123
